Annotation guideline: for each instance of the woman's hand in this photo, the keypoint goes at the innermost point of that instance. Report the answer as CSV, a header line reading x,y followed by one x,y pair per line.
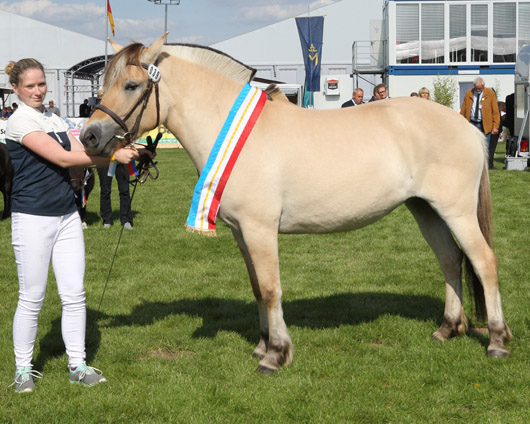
x,y
126,154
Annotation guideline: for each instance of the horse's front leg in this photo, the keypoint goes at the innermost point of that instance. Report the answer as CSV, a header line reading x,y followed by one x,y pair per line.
x,y
261,348
259,246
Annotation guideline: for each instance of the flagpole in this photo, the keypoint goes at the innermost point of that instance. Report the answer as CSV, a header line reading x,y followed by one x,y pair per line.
x,y
106,28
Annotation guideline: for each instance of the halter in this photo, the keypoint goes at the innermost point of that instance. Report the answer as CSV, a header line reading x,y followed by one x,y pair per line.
x,y
154,77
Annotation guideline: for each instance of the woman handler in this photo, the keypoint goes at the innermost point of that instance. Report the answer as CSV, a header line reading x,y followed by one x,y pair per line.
x,y
45,223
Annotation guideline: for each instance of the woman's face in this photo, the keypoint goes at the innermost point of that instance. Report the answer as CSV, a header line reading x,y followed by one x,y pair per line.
x,y
424,95
31,88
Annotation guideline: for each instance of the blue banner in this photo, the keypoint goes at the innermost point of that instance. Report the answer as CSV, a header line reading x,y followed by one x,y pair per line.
x,y
311,31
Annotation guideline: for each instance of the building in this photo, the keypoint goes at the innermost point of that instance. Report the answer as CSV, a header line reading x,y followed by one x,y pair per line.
x,y
405,43
457,39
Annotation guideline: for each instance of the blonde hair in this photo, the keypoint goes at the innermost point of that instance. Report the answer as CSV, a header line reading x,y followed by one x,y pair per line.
x,y
424,90
15,69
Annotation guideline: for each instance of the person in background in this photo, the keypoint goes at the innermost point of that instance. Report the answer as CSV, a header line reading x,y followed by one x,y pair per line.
x,y
84,109
414,94
4,114
380,93
53,109
45,224
494,139
481,109
14,106
105,206
424,93
357,98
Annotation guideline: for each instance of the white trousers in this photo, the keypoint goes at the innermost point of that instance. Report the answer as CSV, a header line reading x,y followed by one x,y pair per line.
x,y
37,240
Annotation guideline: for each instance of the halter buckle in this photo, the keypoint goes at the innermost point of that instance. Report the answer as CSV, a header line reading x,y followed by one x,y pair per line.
x,y
154,73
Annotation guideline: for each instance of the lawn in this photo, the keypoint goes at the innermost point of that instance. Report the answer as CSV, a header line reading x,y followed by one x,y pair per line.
x,y
178,323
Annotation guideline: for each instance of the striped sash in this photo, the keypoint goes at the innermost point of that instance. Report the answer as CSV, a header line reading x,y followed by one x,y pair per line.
x,y
214,176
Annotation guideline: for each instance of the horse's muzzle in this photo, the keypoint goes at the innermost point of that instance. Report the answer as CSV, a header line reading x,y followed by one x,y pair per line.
x,y
97,141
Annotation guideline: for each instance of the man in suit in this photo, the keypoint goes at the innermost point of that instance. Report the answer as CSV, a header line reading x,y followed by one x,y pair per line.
x,y
480,108
357,98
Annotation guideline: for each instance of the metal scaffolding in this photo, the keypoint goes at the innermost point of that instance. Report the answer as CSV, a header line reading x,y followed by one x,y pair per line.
x,y
87,70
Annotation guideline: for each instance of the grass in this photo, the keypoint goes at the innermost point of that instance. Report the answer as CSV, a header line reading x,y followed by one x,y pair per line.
x,y
178,324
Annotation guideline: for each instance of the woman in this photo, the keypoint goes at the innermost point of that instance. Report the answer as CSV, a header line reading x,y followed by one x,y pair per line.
x,y
45,223
424,93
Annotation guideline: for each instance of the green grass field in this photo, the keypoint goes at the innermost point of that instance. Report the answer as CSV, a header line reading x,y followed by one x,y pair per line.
x,y
178,323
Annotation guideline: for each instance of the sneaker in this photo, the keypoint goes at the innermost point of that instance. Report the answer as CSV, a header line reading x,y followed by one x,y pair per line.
x,y
24,380
107,225
88,376
128,226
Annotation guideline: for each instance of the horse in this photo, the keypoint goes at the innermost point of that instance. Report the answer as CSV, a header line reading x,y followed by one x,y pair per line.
x,y
82,181
311,171
6,179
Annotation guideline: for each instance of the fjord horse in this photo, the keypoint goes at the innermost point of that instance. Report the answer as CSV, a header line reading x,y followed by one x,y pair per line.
x,y
307,171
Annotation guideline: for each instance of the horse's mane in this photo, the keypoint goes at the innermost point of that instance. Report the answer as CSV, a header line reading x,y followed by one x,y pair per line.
x,y
212,59
206,56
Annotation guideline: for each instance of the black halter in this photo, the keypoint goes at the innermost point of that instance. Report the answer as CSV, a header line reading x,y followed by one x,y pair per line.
x,y
130,136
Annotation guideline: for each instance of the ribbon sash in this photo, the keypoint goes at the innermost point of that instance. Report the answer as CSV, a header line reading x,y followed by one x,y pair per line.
x,y
225,151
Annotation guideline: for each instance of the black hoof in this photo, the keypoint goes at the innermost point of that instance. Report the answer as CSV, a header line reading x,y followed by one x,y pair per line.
x,y
496,353
265,370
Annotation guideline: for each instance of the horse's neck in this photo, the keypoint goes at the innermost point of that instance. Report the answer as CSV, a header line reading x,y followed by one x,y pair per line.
x,y
199,103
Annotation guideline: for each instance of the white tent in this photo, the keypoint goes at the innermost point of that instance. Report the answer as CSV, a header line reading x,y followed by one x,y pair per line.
x,y
56,48
275,51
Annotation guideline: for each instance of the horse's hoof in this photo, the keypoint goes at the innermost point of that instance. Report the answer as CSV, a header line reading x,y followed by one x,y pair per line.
x,y
438,337
498,353
258,355
265,370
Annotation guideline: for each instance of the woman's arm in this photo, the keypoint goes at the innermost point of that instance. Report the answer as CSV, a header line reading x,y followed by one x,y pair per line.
x,y
45,146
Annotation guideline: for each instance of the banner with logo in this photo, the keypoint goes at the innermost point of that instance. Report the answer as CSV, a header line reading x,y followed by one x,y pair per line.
x,y
311,32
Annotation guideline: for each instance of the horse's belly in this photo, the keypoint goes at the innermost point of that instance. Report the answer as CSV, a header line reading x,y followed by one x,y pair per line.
x,y
329,215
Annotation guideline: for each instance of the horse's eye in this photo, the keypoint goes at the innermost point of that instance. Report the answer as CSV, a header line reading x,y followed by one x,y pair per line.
x,y
131,86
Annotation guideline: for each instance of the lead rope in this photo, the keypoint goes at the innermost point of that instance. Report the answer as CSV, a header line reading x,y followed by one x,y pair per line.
x,y
143,173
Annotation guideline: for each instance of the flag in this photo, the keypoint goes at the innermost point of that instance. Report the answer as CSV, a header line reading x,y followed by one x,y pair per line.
x,y
111,19
311,31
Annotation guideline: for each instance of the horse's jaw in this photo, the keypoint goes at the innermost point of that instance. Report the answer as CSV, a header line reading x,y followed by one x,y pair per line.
x,y
99,138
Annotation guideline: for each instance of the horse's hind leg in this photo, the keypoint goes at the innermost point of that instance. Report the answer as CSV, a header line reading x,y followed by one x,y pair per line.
x,y
259,246
449,256
484,265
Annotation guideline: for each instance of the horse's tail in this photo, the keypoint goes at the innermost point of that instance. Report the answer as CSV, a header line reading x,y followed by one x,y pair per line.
x,y
485,220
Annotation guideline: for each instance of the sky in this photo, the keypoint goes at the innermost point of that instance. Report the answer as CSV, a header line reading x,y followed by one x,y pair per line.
x,y
192,21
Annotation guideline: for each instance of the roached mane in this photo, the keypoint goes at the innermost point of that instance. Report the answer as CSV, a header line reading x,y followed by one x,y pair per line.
x,y
205,56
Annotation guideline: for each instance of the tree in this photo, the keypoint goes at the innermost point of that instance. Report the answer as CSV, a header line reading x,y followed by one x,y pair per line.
x,y
445,90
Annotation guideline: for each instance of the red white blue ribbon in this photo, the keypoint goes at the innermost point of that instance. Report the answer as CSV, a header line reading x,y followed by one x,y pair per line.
x,y
225,151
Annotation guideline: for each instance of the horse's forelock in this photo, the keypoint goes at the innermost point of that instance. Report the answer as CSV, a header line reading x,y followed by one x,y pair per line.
x,y
117,65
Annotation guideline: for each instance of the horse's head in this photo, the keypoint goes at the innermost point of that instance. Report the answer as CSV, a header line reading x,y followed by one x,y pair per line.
x,y
128,103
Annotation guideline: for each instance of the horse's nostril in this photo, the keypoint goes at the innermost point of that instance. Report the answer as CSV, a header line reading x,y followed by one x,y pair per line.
x,y
89,137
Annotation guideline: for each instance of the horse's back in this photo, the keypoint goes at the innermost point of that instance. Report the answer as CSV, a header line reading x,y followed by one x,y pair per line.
x,y
342,169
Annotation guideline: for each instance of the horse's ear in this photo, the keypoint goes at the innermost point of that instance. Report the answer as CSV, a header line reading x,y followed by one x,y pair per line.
x,y
115,46
154,50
